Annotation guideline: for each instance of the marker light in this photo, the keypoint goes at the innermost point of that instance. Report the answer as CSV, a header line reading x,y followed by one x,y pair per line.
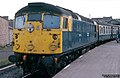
x,y
30,47
30,28
53,46
55,36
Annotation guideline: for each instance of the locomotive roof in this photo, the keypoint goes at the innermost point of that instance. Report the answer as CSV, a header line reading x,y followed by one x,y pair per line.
x,y
42,7
72,13
85,19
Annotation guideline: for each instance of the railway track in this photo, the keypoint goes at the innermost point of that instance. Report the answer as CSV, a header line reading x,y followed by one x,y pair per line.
x,y
10,71
28,75
13,72
25,76
36,75
4,68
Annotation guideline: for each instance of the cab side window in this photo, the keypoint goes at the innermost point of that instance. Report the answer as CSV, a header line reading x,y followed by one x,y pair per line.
x,y
65,23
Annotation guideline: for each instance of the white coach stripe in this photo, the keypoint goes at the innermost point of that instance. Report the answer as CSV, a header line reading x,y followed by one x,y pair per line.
x,y
81,56
67,66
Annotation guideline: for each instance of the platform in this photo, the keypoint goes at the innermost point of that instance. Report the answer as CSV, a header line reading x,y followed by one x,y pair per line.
x,y
100,61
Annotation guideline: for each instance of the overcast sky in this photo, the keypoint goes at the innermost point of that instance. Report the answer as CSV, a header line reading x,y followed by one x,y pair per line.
x,y
87,8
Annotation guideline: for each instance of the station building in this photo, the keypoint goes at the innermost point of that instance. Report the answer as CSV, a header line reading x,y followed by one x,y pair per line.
x,y
5,31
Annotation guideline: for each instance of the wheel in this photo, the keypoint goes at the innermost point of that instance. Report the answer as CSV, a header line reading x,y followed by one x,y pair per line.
x,y
52,70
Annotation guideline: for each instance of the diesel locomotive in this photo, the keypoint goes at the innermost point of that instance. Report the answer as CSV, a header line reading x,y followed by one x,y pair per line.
x,y
48,37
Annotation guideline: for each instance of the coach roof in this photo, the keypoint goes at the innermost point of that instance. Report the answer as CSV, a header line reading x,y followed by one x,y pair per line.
x,y
42,7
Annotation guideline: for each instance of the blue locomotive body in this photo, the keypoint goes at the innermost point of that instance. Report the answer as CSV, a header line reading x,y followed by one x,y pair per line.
x,y
83,34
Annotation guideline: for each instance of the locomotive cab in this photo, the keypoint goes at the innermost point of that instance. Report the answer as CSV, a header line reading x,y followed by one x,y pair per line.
x,y
41,32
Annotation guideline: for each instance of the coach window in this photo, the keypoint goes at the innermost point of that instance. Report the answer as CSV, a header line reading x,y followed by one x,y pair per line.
x,y
65,23
19,22
109,30
104,30
100,29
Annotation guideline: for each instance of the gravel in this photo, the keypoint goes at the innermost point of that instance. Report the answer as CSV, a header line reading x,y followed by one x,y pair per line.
x,y
12,72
